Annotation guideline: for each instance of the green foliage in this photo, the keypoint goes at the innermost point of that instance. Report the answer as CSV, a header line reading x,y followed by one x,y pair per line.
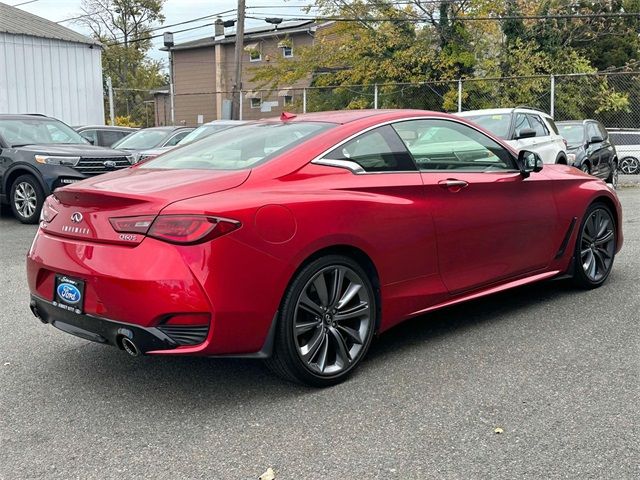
x,y
123,27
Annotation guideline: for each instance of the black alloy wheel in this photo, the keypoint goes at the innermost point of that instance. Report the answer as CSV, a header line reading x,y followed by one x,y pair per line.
x,y
326,323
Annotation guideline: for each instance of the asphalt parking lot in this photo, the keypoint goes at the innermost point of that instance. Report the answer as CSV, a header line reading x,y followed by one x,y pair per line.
x,y
558,370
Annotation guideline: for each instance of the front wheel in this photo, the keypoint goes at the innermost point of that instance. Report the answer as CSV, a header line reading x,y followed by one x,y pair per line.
x,y
326,323
613,176
26,199
595,248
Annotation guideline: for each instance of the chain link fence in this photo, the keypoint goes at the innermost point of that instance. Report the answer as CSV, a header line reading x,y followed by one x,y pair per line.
x,y
613,98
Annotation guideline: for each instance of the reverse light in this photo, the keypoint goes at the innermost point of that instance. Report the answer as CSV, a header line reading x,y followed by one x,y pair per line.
x,y
139,224
57,160
190,229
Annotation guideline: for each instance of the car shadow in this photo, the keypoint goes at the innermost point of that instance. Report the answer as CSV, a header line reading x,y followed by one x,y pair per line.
x,y
225,384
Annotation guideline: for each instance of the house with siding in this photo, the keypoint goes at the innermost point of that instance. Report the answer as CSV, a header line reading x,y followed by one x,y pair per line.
x,y
49,69
203,73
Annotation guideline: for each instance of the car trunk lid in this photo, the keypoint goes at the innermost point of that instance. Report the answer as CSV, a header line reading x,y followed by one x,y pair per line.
x,y
83,210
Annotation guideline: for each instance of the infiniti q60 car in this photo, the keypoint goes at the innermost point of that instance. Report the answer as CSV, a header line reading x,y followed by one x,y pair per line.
x,y
297,240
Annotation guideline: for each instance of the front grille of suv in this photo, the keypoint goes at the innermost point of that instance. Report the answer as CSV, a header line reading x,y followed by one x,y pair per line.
x,y
96,166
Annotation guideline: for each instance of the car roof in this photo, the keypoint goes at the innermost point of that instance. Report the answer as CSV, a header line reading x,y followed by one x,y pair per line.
x,y
226,122
105,127
499,111
576,122
348,116
23,116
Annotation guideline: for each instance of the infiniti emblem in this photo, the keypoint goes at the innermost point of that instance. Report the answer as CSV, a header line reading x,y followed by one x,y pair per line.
x,y
76,217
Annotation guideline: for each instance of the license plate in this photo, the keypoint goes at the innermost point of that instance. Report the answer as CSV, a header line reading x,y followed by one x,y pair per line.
x,y
68,293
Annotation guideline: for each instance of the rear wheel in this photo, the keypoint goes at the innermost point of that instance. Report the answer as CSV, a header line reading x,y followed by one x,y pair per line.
x,y
26,199
630,166
326,322
595,248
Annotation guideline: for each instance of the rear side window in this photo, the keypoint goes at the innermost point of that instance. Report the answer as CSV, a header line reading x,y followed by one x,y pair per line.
x,y
91,135
379,150
553,125
603,131
538,125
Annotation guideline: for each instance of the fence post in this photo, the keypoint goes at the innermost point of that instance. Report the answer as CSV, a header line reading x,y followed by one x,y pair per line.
x,y
459,95
112,118
552,103
375,96
241,93
304,100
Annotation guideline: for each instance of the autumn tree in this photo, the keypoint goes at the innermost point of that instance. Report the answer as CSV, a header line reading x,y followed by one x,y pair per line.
x,y
124,29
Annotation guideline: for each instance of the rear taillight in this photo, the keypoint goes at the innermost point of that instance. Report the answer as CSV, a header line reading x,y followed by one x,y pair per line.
x,y
189,229
139,224
183,229
48,212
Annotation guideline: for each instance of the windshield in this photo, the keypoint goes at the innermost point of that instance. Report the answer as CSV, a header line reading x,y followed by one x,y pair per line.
x,y
240,147
203,131
143,139
38,130
498,123
572,133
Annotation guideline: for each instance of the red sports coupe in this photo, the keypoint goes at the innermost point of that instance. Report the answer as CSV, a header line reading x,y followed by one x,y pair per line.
x,y
296,240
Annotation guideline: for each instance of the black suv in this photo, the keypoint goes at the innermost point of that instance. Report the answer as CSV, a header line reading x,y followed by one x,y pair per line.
x,y
39,154
590,149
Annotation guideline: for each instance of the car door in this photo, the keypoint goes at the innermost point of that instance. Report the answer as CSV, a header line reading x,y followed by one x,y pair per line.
x,y
491,223
594,149
607,152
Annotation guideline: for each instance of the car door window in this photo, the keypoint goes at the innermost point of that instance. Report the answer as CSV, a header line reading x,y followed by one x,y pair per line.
x,y
176,138
592,131
603,131
447,145
538,125
379,150
109,137
90,135
521,123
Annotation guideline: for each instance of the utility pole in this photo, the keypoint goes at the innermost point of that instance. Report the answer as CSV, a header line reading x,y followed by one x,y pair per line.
x,y
112,118
237,85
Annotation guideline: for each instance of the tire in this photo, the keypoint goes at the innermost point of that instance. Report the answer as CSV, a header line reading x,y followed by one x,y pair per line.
x,y
629,166
26,199
613,176
586,168
593,256
313,346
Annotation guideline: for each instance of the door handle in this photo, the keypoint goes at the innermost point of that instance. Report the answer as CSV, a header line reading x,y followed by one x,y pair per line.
x,y
453,185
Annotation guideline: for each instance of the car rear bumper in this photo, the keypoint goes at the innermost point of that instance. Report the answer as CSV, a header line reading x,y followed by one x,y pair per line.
x,y
101,330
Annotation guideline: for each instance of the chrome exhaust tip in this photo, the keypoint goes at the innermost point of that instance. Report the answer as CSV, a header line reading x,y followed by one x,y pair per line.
x,y
129,347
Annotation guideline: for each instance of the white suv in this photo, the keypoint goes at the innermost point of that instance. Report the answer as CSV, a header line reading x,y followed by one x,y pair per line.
x,y
523,128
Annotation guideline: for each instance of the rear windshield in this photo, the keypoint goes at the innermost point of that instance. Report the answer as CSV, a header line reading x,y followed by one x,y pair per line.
x,y
240,147
143,139
498,123
38,130
573,133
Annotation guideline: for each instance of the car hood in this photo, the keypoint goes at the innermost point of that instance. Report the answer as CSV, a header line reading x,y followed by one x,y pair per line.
x,y
80,149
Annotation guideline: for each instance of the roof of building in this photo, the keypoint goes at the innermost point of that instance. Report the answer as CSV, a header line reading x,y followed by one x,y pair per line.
x,y
18,22
255,33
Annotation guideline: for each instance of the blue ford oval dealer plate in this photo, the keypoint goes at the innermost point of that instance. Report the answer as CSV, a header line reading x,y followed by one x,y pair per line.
x,y
68,293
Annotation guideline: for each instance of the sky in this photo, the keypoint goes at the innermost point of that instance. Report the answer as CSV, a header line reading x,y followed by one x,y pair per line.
x,y
175,11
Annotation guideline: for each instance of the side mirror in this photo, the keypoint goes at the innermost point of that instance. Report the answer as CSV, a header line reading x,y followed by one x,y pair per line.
x,y
526,133
596,139
530,162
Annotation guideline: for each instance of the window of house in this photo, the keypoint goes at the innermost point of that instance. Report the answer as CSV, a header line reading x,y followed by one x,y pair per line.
x,y
256,102
255,55
287,51
287,100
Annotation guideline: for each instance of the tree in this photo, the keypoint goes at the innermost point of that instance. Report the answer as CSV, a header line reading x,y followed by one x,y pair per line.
x,y
123,27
